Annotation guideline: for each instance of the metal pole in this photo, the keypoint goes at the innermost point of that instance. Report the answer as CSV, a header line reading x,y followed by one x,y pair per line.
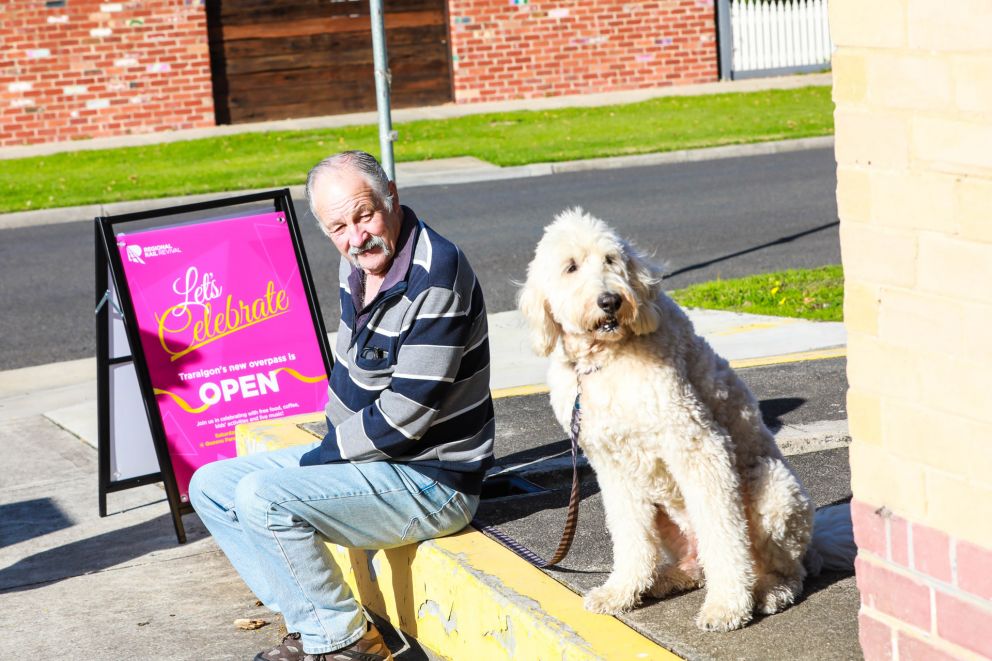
x,y
382,82
725,40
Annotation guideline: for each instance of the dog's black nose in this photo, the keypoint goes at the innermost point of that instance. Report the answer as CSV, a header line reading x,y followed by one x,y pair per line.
x,y
608,302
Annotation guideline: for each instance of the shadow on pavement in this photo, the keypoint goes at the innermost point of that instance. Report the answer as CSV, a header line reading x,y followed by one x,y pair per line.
x,y
777,242
815,584
94,554
28,519
536,454
773,409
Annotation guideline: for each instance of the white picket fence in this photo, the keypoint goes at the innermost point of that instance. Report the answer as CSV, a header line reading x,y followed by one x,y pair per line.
x,y
779,34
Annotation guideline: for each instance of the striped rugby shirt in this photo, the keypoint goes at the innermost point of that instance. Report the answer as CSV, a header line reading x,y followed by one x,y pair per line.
x,y
410,381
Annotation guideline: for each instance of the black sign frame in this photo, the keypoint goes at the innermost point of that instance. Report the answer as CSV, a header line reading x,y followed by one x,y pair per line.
x,y
106,229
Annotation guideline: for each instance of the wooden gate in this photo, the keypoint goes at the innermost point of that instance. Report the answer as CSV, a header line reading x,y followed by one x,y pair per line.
x,y
280,59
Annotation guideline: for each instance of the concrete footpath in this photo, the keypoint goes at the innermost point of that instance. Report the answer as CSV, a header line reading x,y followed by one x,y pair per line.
x,y
72,583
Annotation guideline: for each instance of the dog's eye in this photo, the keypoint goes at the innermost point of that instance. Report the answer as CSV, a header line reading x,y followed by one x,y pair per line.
x,y
609,260
572,267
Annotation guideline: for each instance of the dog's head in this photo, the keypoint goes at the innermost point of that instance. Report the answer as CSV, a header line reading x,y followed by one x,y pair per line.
x,y
586,280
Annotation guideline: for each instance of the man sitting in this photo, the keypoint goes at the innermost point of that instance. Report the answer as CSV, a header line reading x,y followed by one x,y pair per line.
x,y
410,422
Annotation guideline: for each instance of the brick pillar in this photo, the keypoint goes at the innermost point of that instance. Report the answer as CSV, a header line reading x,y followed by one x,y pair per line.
x,y
913,88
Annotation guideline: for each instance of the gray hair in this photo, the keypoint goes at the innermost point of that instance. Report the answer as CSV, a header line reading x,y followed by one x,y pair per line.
x,y
359,162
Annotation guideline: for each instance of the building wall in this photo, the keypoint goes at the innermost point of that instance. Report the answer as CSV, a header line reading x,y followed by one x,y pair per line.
x,y
914,192
73,69
518,49
76,69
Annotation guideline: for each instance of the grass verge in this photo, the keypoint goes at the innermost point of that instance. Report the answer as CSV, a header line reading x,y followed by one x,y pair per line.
x,y
815,294
282,158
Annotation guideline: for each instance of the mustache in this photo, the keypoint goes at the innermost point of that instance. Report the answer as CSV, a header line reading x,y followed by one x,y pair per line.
x,y
372,242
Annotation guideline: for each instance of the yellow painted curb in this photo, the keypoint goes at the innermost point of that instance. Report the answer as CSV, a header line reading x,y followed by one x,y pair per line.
x,y
519,391
466,596
761,325
255,437
800,356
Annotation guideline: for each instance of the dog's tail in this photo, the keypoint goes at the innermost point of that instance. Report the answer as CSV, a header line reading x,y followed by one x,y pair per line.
x,y
832,547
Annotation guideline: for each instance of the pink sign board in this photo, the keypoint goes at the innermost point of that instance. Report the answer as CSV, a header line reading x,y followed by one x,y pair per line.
x,y
226,331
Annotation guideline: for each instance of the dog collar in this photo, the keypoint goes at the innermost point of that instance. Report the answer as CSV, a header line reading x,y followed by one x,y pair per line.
x,y
585,372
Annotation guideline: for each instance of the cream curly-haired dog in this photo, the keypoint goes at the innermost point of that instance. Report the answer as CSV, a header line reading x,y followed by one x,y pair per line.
x,y
695,488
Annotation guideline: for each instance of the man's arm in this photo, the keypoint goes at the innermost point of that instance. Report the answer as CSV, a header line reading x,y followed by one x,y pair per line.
x,y
443,328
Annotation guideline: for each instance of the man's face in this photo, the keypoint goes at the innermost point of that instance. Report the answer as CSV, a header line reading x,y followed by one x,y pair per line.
x,y
362,231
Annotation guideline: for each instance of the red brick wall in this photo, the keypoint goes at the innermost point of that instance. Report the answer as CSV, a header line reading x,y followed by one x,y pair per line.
x,y
924,595
514,49
90,68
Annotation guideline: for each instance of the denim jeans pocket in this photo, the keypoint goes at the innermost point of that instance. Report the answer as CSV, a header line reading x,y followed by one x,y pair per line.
x,y
453,515
414,481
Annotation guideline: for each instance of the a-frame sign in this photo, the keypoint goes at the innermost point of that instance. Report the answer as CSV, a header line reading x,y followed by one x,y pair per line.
x,y
206,318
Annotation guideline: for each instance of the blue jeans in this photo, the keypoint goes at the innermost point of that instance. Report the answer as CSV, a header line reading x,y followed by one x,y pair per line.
x,y
272,517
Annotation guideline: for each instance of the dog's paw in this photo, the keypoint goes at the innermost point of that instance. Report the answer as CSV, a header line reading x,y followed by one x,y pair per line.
x,y
774,600
672,580
723,616
610,600
775,593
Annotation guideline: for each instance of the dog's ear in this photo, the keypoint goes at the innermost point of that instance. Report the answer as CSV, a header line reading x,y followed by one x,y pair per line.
x,y
544,330
646,282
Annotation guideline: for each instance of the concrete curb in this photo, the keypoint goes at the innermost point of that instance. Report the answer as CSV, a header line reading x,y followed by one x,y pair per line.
x,y
467,597
690,155
420,174
25,381
88,212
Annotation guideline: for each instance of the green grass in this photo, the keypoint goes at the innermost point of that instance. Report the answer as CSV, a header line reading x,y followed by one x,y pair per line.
x,y
261,160
816,294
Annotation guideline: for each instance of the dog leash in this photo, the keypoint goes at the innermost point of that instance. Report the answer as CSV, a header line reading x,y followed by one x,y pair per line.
x,y
571,519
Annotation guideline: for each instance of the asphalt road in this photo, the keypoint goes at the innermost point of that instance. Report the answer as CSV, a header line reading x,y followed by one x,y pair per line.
x,y
705,220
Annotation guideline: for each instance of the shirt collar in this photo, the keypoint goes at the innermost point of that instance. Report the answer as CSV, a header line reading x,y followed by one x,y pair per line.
x,y
400,265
